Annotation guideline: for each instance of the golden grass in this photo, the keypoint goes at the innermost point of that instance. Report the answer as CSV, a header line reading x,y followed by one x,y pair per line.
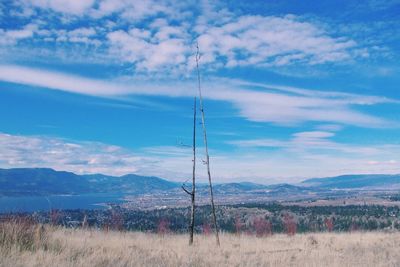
x,y
21,234
68,247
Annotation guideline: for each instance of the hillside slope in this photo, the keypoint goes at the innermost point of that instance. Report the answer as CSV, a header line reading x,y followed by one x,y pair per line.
x,y
44,181
354,181
67,247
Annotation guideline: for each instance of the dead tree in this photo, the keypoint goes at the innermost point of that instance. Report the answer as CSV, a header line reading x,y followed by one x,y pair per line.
x,y
206,146
85,222
193,192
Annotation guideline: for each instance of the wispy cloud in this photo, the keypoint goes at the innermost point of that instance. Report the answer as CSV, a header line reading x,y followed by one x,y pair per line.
x,y
316,142
301,140
276,104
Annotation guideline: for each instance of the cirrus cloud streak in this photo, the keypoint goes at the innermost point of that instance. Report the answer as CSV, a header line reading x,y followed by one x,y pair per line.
x,y
281,105
255,105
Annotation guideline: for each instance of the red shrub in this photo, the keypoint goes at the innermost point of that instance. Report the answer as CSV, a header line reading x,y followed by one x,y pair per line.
x,y
163,227
206,228
329,224
238,226
262,227
289,224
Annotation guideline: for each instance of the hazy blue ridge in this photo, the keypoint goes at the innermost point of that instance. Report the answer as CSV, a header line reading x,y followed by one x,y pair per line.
x,y
354,181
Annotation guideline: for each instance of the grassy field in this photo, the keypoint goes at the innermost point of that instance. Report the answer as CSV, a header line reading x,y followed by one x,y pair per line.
x,y
27,245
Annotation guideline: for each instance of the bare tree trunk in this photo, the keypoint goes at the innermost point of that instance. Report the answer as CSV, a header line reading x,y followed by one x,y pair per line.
x,y
206,145
194,175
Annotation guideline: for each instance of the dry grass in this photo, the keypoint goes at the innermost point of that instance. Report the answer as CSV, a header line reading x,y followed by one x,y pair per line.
x,y
68,247
21,234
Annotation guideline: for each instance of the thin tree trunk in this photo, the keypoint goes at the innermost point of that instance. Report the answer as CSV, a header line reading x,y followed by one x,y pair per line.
x,y
194,175
206,146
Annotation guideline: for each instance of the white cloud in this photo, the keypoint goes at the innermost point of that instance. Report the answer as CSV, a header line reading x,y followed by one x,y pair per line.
x,y
84,157
313,135
75,7
127,10
340,97
174,163
259,143
165,49
10,37
79,35
226,39
58,81
275,104
312,154
131,10
17,151
86,32
241,41
329,127
300,140
317,142
290,110
255,40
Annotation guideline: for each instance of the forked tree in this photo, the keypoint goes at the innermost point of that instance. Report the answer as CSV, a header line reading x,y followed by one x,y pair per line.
x,y
207,162
192,193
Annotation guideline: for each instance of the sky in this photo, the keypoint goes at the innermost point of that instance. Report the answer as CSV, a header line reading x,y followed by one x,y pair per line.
x,y
292,89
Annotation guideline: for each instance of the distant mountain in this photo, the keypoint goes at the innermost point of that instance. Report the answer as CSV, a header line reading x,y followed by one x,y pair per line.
x,y
232,188
44,181
129,183
282,189
354,181
41,181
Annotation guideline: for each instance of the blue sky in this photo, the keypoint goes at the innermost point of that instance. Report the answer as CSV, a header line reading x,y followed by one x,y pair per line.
x,y
291,90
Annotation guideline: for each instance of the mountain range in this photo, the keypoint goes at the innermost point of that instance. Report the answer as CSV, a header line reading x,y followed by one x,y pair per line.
x,y
355,181
45,181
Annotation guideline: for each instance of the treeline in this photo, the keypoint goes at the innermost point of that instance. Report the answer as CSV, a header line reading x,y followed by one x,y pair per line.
x,y
257,219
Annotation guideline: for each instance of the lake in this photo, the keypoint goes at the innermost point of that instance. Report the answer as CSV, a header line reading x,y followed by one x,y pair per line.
x,y
62,202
